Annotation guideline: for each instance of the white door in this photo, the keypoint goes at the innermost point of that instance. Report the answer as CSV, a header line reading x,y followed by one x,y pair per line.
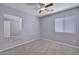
x,y
6,28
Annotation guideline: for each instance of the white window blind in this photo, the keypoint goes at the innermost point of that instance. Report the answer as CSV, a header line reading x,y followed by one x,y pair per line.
x,y
65,24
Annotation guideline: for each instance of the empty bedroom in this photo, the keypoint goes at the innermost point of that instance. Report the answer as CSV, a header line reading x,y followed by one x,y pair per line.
x,y
39,28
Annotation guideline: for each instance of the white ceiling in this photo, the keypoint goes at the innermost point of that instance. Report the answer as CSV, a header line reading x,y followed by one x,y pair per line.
x,y
32,8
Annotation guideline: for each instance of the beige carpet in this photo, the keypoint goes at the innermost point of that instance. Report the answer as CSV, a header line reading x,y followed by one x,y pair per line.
x,y
42,47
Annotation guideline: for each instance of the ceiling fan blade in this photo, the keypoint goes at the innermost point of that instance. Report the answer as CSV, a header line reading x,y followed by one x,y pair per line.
x,y
40,11
41,5
51,4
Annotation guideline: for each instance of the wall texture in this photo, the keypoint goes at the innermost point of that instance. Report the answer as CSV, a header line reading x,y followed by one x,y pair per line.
x,y
48,27
30,27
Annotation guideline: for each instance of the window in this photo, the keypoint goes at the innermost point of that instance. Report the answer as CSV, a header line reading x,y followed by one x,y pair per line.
x,y
66,24
12,25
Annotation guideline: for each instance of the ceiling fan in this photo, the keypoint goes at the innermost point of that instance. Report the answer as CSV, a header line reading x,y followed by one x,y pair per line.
x,y
45,7
41,7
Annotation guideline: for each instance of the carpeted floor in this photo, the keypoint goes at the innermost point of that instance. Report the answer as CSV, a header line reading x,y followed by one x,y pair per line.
x,y
42,47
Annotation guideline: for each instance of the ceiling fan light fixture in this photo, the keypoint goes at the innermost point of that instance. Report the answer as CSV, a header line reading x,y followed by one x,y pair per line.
x,y
42,9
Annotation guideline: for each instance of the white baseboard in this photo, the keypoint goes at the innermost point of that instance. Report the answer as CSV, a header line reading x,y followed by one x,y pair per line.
x,y
4,49
61,43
